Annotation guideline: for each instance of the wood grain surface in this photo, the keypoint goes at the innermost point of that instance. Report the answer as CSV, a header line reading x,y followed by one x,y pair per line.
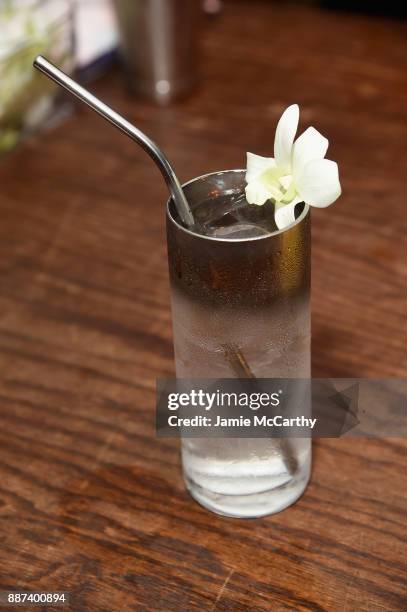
x,y
90,501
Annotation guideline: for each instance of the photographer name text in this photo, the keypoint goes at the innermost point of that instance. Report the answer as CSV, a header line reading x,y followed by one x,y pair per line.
x,y
255,421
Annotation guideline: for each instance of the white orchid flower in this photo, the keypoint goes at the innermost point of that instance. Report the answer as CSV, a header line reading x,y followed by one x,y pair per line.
x,y
297,173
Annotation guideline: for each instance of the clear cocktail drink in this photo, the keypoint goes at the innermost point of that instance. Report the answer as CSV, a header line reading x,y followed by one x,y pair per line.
x,y
240,304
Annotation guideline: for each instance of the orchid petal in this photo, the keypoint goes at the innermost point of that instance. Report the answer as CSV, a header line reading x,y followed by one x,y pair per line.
x,y
256,165
309,146
319,183
257,193
285,134
284,214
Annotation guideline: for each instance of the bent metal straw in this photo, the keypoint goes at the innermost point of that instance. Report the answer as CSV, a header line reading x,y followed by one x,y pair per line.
x,y
239,365
62,79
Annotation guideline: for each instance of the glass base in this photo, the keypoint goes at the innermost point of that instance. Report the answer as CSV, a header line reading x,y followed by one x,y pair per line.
x,y
254,505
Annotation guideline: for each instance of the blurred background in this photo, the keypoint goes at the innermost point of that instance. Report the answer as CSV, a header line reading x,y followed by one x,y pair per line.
x,y
157,43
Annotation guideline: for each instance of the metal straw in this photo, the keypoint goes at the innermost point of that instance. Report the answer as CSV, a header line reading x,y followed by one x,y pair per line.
x,y
127,128
241,368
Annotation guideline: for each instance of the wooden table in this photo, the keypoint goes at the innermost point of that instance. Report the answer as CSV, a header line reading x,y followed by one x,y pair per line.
x,y
91,502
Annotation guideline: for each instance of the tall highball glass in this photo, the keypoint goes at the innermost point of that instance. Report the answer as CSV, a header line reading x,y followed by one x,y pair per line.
x,y
232,299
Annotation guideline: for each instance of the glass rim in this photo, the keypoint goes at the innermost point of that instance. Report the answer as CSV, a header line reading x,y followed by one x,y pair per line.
x,y
302,216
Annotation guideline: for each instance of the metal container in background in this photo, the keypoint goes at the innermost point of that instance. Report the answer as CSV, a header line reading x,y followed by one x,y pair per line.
x,y
159,44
